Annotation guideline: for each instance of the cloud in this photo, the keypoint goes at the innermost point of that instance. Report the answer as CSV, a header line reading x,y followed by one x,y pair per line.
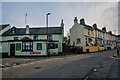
x,y
102,13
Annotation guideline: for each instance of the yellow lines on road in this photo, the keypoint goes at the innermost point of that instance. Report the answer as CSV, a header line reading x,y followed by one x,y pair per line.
x,y
3,58
95,69
86,78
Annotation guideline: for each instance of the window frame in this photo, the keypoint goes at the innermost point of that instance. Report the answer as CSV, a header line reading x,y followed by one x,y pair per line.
x,y
92,32
50,37
88,32
36,37
78,40
17,45
13,30
55,45
15,38
37,46
31,45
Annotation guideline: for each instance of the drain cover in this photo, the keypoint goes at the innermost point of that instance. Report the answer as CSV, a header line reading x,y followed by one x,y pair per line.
x,y
37,67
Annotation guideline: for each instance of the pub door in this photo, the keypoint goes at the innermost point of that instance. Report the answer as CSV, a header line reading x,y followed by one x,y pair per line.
x,y
12,49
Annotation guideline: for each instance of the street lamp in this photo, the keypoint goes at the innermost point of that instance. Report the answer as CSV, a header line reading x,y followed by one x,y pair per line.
x,y
47,32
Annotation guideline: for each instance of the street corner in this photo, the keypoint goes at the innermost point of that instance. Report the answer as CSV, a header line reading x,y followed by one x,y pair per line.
x,y
115,57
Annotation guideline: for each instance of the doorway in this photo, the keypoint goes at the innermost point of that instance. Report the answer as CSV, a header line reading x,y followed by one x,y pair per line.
x,y
12,49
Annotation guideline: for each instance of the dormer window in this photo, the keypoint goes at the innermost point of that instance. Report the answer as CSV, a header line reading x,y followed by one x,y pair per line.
x,y
13,30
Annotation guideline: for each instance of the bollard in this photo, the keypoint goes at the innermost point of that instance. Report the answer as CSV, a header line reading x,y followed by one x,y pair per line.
x,y
117,51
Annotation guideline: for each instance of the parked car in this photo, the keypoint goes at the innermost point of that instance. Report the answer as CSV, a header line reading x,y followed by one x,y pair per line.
x,y
108,47
77,49
101,48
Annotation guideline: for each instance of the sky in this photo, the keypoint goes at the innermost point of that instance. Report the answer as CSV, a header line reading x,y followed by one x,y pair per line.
x,y
104,14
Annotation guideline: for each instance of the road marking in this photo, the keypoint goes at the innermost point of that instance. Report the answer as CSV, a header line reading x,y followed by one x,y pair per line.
x,y
95,70
3,58
86,78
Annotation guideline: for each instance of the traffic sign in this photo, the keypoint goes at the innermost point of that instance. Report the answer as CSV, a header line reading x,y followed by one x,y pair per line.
x,y
47,42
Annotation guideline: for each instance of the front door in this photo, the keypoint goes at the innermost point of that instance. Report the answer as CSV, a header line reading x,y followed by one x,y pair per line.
x,y
12,49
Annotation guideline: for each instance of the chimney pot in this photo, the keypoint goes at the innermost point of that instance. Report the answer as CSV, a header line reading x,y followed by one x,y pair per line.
x,y
75,20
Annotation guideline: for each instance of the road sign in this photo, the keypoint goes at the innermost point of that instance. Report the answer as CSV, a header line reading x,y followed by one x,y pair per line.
x,y
47,42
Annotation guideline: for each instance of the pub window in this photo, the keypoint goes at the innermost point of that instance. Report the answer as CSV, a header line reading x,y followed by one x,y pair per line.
x,y
49,37
15,38
56,45
18,46
39,46
27,46
52,45
35,37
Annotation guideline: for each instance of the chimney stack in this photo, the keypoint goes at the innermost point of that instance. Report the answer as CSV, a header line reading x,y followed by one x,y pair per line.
x,y
104,29
75,20
62,24
27,29
95,26
82,21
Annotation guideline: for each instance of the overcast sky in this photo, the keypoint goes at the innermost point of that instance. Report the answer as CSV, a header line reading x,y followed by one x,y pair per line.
x,y
101,13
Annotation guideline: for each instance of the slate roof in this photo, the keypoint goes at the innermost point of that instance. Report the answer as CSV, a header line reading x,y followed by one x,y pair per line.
x,y
3,26
99,30
90,27
117,35
87,26
35,31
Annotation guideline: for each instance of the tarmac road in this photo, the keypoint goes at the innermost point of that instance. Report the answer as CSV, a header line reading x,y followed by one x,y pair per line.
x,y
80,68
92,65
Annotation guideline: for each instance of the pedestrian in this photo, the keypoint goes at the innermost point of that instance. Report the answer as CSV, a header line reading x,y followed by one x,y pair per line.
x,y
117,51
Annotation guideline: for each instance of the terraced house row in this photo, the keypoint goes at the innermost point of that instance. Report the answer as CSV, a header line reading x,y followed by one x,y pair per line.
x,y
91,38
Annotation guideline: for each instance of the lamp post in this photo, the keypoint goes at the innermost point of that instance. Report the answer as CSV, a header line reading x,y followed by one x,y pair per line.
x,y
47,32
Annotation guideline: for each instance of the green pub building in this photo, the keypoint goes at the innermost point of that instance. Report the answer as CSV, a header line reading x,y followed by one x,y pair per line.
x,y
32,41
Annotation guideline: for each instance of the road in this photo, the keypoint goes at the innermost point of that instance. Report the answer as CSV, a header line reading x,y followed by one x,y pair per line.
x,y
91,65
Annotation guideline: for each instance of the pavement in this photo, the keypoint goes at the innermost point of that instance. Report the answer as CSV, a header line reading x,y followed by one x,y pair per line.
x,y
23,70
115,70
91,65
15,61
9,62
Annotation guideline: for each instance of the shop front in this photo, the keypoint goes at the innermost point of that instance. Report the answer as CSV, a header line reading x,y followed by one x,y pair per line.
x,y
30,48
